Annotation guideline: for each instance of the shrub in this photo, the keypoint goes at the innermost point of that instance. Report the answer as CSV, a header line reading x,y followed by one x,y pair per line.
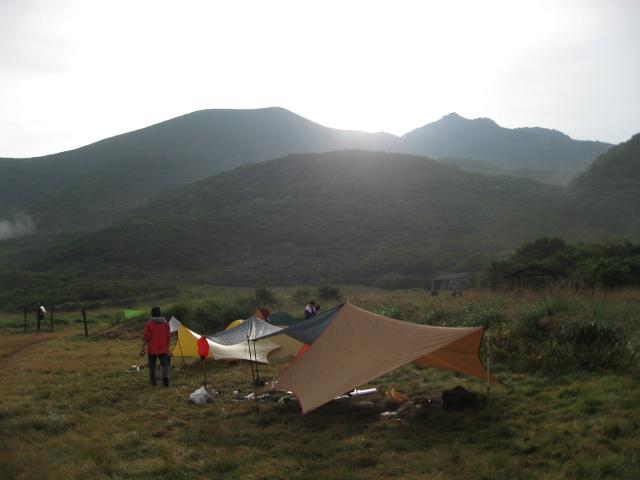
x,y
264,296
434,317
597,344
326,292
208,317
301,296
180,310
578,343
399,311
535,322
483,318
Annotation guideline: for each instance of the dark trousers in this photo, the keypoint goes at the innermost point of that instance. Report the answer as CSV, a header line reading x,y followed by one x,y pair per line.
x,y
164,363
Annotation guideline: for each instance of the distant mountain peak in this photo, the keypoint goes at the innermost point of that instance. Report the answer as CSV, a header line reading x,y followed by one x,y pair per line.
x,y
454,136
453,116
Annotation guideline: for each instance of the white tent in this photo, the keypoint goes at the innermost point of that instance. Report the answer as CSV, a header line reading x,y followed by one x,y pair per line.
x,y
186,346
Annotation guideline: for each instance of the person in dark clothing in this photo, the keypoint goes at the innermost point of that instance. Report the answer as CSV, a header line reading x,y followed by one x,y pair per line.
x,y
40,311
311,309
156,337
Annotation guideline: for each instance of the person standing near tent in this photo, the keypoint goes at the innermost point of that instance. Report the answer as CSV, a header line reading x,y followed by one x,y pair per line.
x,y
156,337
311,309
263,314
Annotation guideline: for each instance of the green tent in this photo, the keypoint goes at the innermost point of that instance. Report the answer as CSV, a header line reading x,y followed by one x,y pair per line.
x,y
131,314
281,317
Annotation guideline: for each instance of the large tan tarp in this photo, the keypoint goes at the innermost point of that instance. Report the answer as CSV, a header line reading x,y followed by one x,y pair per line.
x,y
359,346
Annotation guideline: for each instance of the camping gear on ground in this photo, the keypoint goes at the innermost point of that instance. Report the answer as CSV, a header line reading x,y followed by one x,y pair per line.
x,y
459,397
358,393
399,416
395,396
200,396
249,331
135,368
351,346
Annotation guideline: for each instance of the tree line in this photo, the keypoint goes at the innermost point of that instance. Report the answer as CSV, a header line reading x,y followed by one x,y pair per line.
x,y
591,265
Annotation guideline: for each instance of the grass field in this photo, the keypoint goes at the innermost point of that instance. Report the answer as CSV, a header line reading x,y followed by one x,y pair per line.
x,y
68,409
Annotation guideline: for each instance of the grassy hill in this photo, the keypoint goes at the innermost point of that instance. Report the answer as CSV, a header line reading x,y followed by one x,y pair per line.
x,y
348,216
95,186
607,194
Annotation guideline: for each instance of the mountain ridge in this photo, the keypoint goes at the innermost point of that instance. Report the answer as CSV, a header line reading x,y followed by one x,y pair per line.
x,y
96,185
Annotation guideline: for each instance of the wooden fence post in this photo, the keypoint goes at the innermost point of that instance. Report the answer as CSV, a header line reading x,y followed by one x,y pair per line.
x,y
84,319
51,315
25,319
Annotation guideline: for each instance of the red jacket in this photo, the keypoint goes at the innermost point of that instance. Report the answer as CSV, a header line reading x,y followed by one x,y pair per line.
x,y
157,336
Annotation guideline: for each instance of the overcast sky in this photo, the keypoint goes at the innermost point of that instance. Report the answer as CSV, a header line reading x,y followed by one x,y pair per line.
x,y
74,72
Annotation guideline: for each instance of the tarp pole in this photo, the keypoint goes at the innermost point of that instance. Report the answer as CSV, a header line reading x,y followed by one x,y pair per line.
x,y
204,362
255,383
180,348
255,356
253,378
488,376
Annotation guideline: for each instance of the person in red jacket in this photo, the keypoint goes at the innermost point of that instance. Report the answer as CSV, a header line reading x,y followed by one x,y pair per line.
x,y
156,341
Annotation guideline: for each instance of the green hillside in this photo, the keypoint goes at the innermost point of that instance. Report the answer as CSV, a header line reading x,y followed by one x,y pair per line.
x,y
607,194
482,139
95,186
552,177
348,216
